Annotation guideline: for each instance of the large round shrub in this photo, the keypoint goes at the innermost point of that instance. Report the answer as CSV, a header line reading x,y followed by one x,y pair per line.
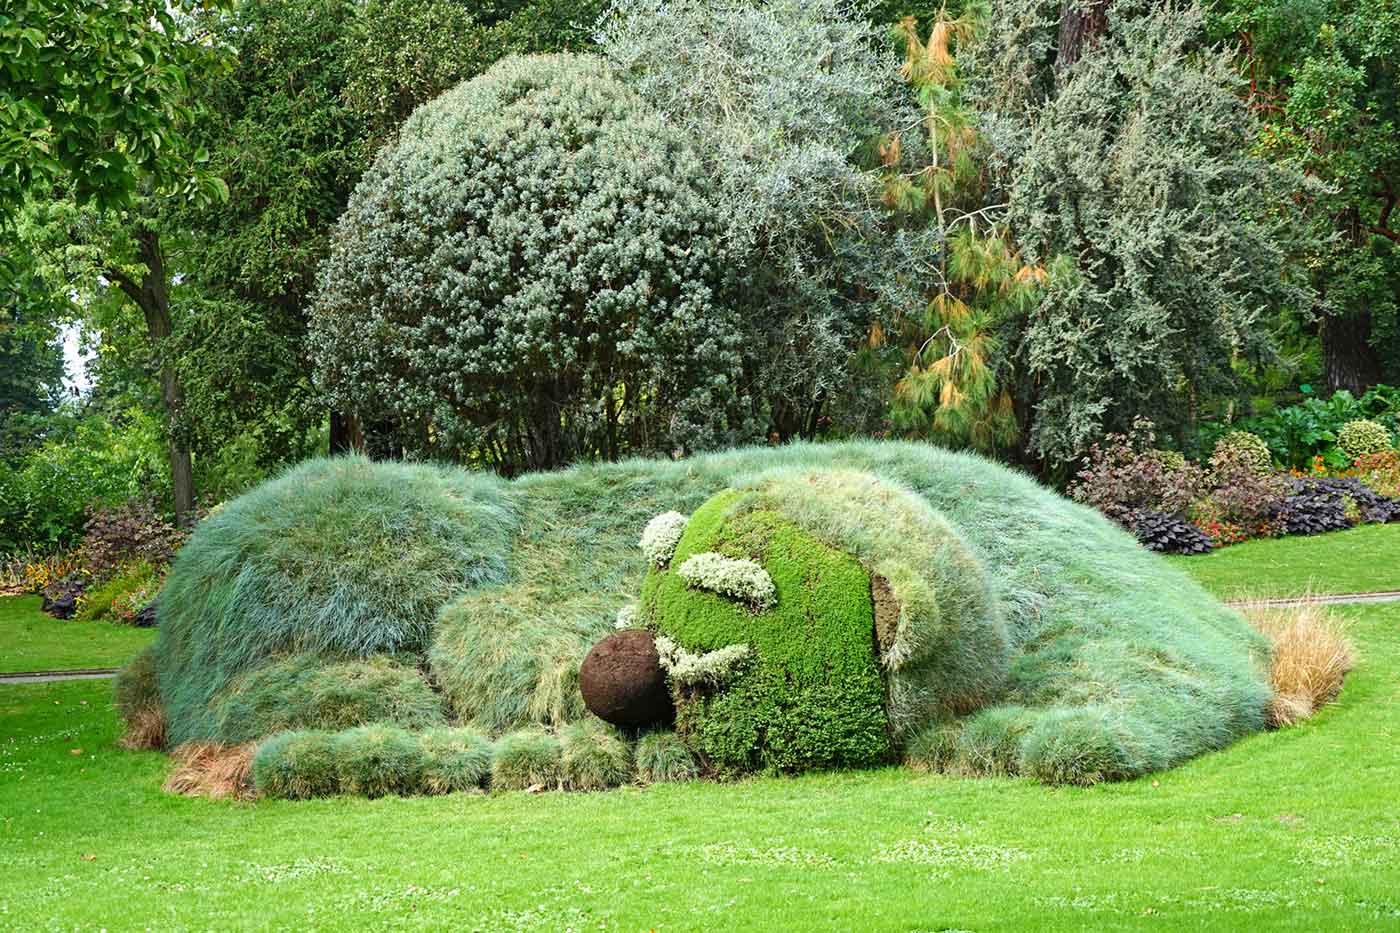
x,y
531,273
339,558
1244,448
1362,437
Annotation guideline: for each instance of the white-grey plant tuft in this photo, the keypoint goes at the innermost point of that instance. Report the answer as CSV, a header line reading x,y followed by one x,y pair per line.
x,y
709,669
736,578
660,537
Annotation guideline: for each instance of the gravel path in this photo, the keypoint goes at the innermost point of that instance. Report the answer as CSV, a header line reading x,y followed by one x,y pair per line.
x,y
1332,600
44,677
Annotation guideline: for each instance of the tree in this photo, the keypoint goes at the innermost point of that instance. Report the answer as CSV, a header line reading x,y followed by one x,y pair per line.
x,y
956,385
1323,79
97,106
94,96
1137,166
532,274
786,103
31,358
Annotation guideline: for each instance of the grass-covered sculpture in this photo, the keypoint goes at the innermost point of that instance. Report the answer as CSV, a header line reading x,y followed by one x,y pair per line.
x,y
811,606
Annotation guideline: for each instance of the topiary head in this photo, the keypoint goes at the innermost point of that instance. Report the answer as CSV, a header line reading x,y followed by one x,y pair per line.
x,y
815,618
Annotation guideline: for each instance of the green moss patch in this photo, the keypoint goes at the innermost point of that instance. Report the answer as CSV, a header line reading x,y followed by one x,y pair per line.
x,y
812,695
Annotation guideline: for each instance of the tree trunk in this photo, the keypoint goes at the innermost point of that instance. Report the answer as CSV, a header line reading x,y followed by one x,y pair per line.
x,y
1349,361
152,296
1081,24
346,435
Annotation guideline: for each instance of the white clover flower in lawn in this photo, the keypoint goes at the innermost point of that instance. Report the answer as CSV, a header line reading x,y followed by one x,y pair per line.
x,y
660,537
737,578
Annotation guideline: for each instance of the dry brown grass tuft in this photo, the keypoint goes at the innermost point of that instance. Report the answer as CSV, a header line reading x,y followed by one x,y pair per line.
x,y
209,769
145,729
1311,658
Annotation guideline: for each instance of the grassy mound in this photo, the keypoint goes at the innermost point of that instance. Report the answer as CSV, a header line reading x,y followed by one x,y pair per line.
x,y
813,696
1091,620
306,691
342,558
1115,662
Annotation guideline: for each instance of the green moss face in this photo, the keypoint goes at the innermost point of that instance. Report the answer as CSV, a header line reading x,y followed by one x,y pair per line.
x,y
812,694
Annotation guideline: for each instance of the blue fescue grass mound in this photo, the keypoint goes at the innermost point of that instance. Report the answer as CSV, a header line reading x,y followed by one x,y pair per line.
x,y
338,558
1115,663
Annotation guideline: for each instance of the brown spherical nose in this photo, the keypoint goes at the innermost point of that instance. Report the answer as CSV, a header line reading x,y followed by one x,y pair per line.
x,y
622,681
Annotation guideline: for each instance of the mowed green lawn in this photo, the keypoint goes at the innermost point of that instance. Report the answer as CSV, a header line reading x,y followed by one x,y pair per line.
x,y
1364,559
1290,830
32,641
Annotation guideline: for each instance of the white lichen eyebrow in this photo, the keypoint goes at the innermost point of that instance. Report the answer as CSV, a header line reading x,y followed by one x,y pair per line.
x,y
736,578
660,537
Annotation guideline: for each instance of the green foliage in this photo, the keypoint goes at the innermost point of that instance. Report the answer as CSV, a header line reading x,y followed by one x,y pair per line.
x,y
1298,433
378,759
96,92
594,757
31,358
785,102
593,277
309,691
1323,77
1245,447
1139,164
90,462
1359,438
403,53
122,596
813,695
337,557
137,686
526,759
663,757
297,766
457,760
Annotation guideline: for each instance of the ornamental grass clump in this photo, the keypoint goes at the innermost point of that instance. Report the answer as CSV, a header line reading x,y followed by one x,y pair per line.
x,y
136,695
663,757
1311,658
341,558
379,759
594,757
455,760
297,766
530,758
212,769
308,691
